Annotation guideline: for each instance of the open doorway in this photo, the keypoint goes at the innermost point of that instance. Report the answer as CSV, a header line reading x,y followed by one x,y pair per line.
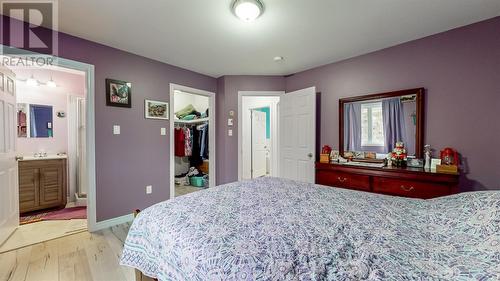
x,y
258,137
50,153
49,144
192,139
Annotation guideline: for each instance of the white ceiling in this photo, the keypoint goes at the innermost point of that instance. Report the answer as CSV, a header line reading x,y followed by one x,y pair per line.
x,y
204,36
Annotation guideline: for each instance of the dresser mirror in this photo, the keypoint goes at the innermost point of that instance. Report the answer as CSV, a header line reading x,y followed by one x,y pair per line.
x,y
34,121
370,125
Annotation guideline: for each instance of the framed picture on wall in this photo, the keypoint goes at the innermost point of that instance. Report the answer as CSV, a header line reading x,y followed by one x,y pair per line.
x,y
156,109
118,93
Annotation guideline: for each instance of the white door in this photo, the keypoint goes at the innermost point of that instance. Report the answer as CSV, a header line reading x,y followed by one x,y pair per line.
x,y
9,196
297,111
259,144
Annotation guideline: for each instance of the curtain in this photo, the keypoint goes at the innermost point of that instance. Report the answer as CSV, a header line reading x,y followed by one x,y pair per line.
x,y
352,130
394,124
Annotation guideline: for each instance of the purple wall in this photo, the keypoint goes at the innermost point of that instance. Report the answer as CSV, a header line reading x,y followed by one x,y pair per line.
x,y
460,70
227,100
127,163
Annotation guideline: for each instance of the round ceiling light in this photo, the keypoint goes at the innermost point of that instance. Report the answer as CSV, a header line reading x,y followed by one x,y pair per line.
x,y
248,10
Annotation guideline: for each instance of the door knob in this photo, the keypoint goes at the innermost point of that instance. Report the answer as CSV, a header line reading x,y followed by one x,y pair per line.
x,y
310,155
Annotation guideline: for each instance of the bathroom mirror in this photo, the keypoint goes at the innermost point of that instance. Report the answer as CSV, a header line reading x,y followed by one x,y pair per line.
x,y
34,121
370,125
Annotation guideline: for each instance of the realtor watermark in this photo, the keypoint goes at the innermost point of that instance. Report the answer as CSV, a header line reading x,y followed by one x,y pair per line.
x,y
28,33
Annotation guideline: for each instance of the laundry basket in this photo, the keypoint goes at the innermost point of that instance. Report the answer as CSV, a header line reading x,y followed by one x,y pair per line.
x,y
197,181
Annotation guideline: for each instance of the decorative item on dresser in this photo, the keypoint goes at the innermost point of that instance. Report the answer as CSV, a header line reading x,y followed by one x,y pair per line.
x,y
42,184
405,182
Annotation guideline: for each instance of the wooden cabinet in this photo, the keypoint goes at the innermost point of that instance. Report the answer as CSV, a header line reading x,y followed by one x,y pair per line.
x,y
42,184
405,182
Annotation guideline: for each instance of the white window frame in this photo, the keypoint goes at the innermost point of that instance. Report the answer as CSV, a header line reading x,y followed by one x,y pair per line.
x,y
370,106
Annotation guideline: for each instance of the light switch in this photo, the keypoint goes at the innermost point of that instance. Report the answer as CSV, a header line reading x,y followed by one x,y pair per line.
x,y
230,122
163,131
230,132
116,130
149,189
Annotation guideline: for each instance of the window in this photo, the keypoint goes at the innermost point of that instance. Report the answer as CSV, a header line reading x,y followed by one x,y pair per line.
x,y
372,126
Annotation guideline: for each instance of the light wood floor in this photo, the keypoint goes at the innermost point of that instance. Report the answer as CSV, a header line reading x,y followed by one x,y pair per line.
x,y
84,257
42,231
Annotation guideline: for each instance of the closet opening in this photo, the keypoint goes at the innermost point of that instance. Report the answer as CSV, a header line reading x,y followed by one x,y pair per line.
x,y
258,138
192,140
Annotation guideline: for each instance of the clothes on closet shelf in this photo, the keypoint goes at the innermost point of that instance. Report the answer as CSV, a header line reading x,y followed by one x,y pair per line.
x,y
190,111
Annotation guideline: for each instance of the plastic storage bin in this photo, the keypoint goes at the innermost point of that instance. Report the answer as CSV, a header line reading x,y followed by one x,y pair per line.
x,y
197,181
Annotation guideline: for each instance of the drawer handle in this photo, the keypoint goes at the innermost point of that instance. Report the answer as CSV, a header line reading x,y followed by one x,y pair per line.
x,y
407,188
341,179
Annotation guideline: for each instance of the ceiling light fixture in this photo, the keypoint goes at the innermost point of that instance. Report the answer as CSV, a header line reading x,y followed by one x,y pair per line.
x,y
51,83
32,81
248,10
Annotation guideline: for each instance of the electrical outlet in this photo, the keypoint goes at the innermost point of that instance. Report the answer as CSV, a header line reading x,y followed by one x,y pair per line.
x,y
149,189
163,131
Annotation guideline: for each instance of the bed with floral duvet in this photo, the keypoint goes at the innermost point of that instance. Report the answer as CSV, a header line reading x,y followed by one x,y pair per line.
x,y
278,229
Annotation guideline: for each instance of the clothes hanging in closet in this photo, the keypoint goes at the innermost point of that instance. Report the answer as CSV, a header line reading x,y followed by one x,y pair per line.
x,y
180,142
203,141
188,144
195,160
193,143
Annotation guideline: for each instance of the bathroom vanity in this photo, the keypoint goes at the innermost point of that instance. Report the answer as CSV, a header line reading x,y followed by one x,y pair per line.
x,y
42,183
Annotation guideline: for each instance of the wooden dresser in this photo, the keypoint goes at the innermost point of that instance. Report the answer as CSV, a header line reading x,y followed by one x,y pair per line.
x,y
42,184
405,182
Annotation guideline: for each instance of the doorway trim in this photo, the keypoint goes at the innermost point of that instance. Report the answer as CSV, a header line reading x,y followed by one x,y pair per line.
x,y
274,134
211,133
89,71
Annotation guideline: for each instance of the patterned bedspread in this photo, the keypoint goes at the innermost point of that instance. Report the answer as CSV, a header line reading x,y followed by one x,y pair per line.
x,y
277,229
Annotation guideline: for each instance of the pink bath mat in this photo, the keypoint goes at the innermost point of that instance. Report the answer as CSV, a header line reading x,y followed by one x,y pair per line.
x,y
67,214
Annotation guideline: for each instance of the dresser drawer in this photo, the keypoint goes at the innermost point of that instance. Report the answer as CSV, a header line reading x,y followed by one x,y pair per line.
x,y
413,189
345,180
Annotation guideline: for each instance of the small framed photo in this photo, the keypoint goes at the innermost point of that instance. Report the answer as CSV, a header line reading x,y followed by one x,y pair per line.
x,y
156,109
434,163
118,93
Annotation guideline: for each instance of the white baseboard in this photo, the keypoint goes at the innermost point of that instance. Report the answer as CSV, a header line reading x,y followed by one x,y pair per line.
x,y
111,222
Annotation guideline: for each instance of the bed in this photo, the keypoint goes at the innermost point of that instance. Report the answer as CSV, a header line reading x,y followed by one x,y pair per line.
x,y
278,229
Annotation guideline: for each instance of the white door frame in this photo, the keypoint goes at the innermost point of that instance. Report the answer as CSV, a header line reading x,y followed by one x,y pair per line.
x,y
275,134
88,69
211,133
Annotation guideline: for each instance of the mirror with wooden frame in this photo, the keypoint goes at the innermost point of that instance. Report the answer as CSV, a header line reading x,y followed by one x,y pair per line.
x,y
370,125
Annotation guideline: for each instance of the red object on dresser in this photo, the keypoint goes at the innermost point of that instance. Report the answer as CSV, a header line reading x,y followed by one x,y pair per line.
x,y
404,182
